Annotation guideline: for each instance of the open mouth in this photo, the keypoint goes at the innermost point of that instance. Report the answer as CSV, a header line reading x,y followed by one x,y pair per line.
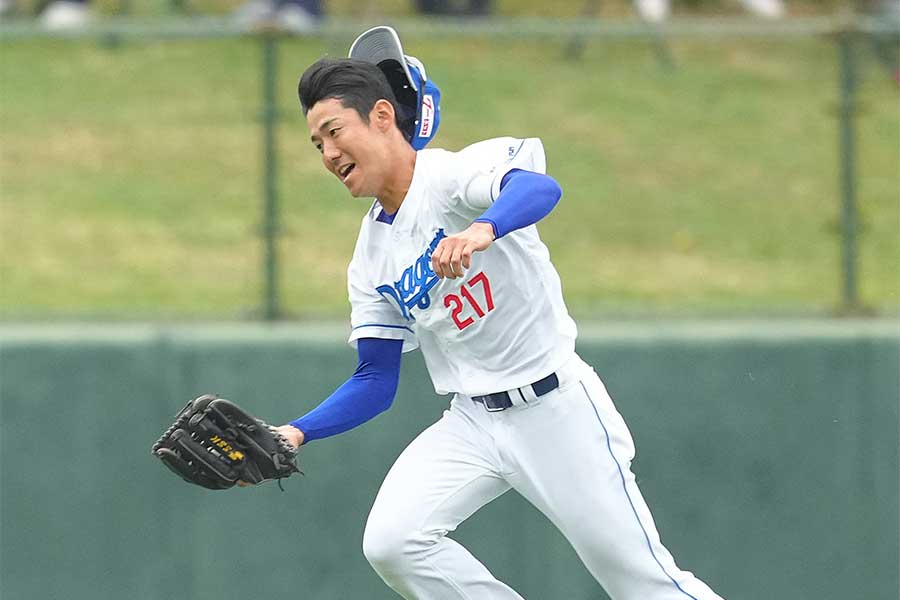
x,y
345,171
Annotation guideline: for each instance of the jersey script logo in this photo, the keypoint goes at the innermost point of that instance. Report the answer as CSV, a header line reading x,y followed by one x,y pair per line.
x,y
415,283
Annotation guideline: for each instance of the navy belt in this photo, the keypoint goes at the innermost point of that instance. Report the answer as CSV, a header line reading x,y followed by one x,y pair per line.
x,y
501,400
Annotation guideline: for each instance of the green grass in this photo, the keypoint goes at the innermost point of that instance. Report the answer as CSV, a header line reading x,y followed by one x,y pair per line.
x,y
130,177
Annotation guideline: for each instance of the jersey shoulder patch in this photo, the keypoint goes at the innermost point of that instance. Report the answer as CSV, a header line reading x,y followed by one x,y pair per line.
x,y
496,153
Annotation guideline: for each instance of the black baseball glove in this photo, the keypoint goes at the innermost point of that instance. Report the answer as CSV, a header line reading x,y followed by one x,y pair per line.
x,y
214,443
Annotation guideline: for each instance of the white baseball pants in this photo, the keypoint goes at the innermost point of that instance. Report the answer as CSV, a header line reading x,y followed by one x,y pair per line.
x,y
569,454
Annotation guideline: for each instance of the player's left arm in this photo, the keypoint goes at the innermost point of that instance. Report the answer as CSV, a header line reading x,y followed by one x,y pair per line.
x,y
525,198
369,392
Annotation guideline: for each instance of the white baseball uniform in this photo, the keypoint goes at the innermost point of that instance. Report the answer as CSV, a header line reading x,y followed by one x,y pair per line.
x,y
500,327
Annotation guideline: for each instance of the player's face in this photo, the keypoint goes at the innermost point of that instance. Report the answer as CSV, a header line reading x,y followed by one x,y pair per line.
x,y
351,149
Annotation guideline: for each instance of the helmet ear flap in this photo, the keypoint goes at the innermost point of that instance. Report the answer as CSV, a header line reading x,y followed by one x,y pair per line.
x,y
428,116
407,97
426,104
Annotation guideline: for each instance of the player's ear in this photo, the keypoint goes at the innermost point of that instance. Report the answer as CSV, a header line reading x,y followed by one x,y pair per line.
x,y
382,114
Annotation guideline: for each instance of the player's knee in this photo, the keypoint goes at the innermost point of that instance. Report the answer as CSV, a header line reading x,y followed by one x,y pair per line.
x,y
391,546
383,546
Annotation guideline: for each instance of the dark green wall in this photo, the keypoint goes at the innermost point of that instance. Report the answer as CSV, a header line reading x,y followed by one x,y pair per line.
x,y
768,453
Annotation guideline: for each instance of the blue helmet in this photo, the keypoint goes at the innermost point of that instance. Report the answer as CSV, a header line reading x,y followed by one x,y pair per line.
x,y
419,98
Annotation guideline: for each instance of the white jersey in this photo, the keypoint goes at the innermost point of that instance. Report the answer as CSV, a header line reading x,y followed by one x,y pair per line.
x,y
502,325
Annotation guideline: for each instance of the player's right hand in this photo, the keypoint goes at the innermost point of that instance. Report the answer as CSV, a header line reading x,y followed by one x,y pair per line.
x,y
454,253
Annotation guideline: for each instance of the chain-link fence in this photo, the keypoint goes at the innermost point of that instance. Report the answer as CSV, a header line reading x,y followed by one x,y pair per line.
x,y
161,169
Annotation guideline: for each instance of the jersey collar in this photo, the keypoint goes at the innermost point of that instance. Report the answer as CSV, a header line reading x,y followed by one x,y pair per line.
x,y
377,212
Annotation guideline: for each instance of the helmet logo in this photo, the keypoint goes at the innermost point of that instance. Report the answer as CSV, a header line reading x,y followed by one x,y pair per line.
x,y
427,120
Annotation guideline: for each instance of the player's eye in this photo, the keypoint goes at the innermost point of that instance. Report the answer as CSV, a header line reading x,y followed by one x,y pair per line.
x,y
319,147
333,132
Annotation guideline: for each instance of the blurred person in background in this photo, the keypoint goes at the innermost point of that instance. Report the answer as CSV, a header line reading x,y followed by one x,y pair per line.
x,y
55,15
456,8
657,11
295,16
885,44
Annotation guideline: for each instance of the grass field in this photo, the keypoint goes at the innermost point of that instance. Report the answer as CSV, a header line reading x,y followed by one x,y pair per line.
x,y
130,177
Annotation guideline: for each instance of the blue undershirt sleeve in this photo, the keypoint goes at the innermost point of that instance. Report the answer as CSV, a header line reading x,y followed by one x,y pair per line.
x,y
525,198
367,393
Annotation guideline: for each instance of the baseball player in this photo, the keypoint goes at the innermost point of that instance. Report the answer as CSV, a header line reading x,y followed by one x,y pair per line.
x,y
449,260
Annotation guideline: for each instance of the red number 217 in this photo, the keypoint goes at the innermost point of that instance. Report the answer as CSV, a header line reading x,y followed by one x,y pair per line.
x,y
455,303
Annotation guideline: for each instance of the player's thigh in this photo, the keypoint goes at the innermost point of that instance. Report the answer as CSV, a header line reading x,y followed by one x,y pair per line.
x,y
446,474
592,497
574,458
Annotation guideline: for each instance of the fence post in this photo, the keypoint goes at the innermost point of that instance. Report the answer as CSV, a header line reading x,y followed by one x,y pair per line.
x,y
849,218
270,229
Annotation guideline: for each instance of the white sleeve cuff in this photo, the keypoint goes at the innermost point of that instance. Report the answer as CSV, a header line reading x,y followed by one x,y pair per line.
x,y
385,332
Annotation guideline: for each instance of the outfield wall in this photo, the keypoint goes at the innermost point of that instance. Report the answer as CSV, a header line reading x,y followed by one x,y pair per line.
x,y
767,451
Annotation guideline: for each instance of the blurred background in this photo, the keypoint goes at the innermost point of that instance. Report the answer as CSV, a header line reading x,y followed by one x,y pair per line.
x,y
703,163
728,240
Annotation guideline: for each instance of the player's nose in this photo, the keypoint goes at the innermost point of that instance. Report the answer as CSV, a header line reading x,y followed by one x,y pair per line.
x,y
331,153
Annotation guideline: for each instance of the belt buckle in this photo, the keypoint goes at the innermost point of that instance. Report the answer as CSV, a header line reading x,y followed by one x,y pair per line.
x,y
494,408
500,397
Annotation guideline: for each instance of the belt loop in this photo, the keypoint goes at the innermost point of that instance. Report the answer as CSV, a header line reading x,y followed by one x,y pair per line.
x,y
527,395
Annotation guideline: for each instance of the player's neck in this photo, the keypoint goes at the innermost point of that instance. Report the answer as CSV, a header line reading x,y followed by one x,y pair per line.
x,y
395,189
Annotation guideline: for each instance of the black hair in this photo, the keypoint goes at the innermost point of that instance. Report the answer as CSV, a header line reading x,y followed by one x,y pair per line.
x,y
356,83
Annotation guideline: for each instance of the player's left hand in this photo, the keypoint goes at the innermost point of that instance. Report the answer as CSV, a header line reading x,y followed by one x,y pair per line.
x,y
454,253
294,437
216,444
